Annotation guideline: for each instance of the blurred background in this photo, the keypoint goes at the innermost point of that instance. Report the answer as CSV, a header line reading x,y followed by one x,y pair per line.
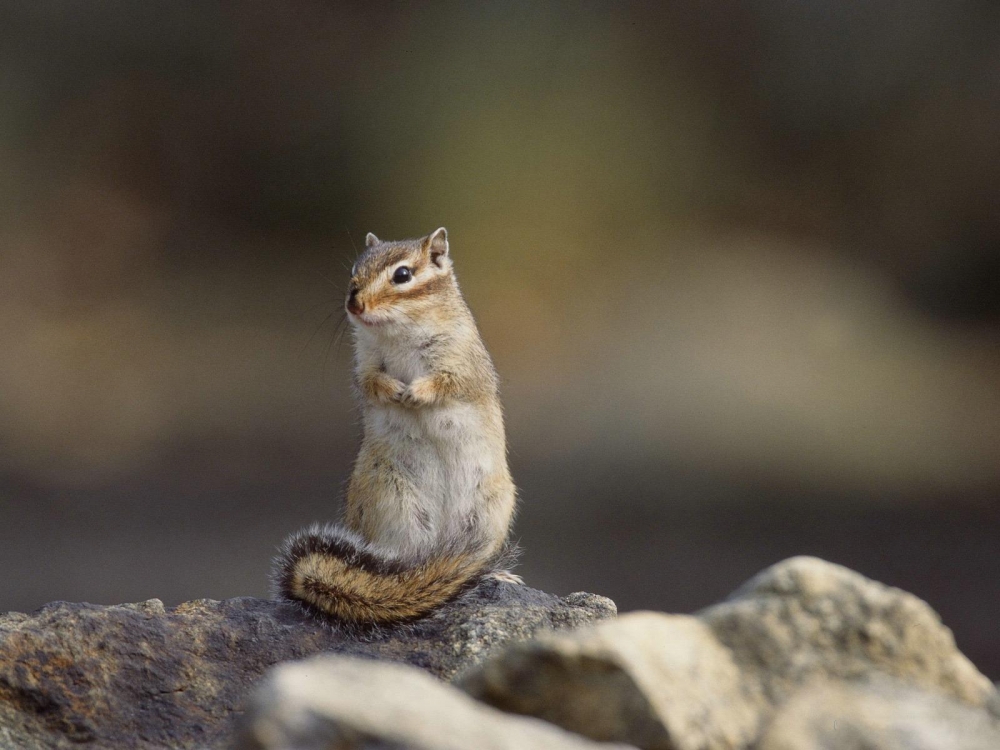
x,y
738,265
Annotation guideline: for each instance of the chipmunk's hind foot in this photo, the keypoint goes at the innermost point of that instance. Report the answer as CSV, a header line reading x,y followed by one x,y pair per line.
x,y
505,576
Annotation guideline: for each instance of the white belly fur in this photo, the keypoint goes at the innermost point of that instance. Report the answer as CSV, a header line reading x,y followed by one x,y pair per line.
x,y
443,449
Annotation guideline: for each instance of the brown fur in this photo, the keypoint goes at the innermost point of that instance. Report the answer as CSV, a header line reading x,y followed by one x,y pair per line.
x,y
356,595
377,386
431,499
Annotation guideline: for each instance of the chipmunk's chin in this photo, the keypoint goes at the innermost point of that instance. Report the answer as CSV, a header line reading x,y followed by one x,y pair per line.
x,y
364,319
369,321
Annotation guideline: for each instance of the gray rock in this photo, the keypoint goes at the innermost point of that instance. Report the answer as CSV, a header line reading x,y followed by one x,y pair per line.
x,y
139,675
712,682
878,714
345,703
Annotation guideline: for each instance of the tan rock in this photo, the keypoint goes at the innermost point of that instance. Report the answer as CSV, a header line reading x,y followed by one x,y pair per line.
x,y
345,703
878,714
657,681
713,681
805,618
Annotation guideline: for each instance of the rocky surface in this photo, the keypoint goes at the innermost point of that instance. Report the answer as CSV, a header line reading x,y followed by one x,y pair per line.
x,y
878,714
715,681
806,656
349,704
139,675
804,619
653,680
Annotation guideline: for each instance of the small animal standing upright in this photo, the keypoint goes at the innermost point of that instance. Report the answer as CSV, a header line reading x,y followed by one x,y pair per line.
x,y
431,499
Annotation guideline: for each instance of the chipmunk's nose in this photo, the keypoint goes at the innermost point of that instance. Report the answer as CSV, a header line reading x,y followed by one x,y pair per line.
x,y
353,305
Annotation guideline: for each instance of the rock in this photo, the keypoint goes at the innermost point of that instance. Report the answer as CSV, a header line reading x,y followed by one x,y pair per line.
x,y
878,714
346,703
653,680
805,618
713,681
138,675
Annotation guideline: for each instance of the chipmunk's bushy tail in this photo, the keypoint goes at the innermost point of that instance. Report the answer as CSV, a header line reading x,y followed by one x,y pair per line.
x,y
334,572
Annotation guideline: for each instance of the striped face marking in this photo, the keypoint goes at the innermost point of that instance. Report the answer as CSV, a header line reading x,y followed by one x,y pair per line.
x,y
395,283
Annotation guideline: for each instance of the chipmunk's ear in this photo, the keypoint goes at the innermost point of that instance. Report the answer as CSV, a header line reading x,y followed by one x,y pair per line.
x,y
437,245
371,239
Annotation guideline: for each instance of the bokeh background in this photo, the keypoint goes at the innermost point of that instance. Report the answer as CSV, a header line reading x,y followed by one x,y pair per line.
x,y
738,265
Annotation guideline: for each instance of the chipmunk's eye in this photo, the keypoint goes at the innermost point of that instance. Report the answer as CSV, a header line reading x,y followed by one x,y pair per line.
x,y
402,275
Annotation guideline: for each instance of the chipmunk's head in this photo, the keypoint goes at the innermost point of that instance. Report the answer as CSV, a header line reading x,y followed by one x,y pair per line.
x,y
400,283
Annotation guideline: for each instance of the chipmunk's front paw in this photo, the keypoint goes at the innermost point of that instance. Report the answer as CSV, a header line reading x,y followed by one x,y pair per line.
x,y
386,390
418,393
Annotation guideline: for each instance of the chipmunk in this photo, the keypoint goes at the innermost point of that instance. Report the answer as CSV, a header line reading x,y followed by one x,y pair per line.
x,y
431,499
